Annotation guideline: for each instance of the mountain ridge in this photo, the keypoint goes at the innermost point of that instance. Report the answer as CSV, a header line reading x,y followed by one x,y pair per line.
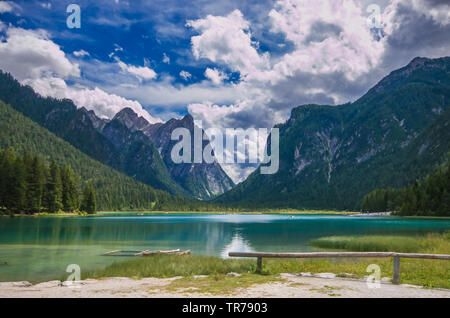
x,y
120,143
331,156
115,190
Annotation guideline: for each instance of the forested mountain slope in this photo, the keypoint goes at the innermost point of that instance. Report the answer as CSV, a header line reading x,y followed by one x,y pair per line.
x,y
121,143
114,190
331,156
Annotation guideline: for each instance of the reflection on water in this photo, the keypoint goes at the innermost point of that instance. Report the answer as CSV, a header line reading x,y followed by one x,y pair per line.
x,y
237,244
41,248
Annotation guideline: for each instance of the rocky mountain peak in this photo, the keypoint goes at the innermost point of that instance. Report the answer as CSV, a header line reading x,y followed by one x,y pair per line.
x,y
417,62
204,180
97,122
413,71
129,118
188,119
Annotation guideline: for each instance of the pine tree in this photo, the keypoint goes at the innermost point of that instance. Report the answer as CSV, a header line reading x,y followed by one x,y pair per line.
x,y
89,203
34,186
70,200
53,190
409,206
7,158
17,187
444,209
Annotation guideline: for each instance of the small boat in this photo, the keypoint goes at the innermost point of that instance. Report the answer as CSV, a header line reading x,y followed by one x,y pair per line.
x,y
171,252
146,253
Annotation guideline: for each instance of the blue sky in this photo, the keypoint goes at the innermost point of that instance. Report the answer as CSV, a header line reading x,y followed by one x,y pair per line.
x,y
139,33
236,63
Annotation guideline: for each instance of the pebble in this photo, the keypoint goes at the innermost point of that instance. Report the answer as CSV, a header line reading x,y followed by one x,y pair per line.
x,y
287,275
21,284
71,283
306,274
347,275
411,286
234,274
326,275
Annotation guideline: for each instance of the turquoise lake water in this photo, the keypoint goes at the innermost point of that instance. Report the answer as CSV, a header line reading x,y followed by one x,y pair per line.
x,y
39,249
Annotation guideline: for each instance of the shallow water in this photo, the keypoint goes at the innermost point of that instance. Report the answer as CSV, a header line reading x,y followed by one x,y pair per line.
x,y
39,249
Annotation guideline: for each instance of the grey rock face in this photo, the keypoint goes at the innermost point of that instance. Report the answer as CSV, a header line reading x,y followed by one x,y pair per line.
x,y
202,180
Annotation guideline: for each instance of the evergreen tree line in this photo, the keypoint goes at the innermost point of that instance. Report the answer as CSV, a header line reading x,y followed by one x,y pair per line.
x,y
114,191
430,197
27,184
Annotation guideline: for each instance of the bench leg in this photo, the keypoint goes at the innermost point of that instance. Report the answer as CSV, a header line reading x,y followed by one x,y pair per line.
x,y
396,278
259,265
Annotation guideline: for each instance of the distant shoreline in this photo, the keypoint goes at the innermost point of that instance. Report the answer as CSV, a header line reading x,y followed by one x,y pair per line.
x,y
275,212
282,212
110,213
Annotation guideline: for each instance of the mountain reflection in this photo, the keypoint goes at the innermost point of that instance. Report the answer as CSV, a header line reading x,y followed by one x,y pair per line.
x,y
237,244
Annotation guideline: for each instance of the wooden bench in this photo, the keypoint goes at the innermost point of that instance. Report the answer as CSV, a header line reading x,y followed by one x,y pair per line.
x,y
396,256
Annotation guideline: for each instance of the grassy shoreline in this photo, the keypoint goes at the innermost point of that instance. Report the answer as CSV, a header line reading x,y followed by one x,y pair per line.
x,y
427,273
432,243
246,212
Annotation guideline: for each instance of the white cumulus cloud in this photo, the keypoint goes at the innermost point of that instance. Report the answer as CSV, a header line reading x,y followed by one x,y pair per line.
x,y
216,76
166,59
34,59
81,53
185,75
105,105
141,72
6,6
227,40
31,54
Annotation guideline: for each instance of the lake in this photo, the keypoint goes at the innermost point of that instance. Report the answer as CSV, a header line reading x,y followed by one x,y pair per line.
x,y
40,249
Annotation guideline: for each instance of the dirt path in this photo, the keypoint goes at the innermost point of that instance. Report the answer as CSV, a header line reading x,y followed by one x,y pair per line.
x,y
288,286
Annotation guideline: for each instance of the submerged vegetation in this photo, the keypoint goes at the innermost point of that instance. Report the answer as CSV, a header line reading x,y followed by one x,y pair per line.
x,y
429,273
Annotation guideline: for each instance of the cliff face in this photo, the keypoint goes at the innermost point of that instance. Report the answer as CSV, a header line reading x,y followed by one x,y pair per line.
x,y
202,180
205,180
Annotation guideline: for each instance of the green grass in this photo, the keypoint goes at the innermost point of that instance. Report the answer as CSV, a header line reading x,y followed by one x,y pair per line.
x,y
173,265
402,244
428,273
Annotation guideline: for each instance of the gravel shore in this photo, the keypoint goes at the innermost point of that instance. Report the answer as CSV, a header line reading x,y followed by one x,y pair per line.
x,y
289,286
